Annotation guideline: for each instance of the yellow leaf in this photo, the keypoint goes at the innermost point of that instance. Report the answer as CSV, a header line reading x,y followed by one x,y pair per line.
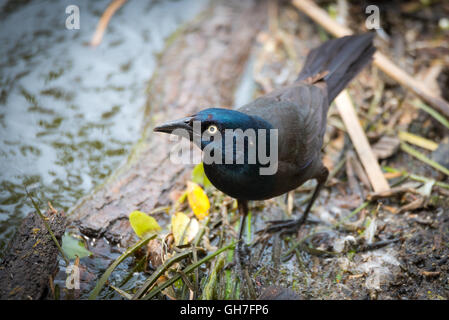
x,y
184,228
198,200
199,176
143,223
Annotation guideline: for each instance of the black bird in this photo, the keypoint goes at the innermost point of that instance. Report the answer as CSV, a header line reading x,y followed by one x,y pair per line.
x,y
298,112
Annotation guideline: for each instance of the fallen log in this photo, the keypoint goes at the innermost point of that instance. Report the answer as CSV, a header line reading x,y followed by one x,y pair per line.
x,y
31,258
199,68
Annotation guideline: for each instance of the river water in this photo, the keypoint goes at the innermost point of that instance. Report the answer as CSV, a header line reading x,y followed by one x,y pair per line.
x,y
69,112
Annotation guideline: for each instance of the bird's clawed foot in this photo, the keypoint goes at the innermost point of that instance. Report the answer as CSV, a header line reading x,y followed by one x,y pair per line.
x,y
241,253
283,226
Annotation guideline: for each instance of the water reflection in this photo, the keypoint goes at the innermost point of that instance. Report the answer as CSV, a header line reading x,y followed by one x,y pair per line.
x,y
69,113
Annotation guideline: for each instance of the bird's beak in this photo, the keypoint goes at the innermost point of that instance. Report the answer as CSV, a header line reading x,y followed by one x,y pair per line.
x,y
170,126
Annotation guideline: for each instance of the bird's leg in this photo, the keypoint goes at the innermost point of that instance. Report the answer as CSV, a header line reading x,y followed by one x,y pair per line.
x,y
292,226
240,250
243,210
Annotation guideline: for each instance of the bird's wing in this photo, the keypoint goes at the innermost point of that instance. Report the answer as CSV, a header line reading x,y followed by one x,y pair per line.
x,y
299,112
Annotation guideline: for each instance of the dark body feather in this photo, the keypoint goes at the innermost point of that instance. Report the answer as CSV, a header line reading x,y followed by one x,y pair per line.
x,y
299,112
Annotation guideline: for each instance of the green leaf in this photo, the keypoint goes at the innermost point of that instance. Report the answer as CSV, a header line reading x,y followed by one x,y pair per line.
x,y
73,247
142,223
199,176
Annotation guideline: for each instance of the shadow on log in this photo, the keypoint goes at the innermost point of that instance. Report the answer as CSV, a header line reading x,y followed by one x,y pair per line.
x,y
200,67
30,259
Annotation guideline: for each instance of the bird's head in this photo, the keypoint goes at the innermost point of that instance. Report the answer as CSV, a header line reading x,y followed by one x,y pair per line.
x,y
207,125
231,141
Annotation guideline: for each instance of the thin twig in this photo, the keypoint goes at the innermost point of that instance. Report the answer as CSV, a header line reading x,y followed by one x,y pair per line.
x,y
104,21
360,142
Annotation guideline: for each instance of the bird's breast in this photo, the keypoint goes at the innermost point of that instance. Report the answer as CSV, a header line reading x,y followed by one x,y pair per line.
x,y
241,181
244,181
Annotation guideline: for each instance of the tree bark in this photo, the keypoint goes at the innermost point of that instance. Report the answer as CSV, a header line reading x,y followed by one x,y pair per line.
x,y
200,68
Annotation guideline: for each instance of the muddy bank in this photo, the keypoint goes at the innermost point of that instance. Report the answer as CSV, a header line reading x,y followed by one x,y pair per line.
x,y
30,261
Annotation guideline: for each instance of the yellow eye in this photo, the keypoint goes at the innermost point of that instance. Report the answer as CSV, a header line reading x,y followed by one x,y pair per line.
x,y
212,129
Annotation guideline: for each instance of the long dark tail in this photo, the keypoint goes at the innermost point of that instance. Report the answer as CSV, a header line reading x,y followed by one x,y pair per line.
x,y
339,61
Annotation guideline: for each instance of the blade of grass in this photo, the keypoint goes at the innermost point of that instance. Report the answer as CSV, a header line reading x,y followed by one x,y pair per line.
x,y
422,157
336,169
196,241
121,292
137,267
208,291
353,213
248,227
416,177
228,275
186,281
47,226
196,275
417,140
200,234
295,245
99,286
187,270
435,114
160,271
